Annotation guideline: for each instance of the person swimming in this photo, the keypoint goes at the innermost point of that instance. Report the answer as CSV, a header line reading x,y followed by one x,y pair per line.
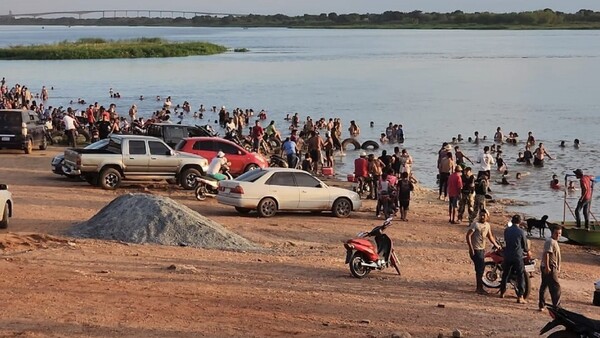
x,y
372,124
576,143
505,179
562,144
571,186
554,184
518,176
459,138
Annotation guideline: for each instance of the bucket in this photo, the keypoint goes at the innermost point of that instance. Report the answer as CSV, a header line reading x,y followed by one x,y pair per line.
x,y
351,178
327,171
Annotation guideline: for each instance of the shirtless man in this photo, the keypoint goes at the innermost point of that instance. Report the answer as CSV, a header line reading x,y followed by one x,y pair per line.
x,y
538,155
460,157
499,137
315,145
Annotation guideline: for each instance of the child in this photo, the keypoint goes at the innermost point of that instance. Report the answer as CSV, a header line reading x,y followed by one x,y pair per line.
x,y
383,139
554,184
571,186
307,163
405,186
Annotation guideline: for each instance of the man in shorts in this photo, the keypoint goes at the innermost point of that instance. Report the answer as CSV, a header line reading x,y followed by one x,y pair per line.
x,y
476,236
455,186
315,145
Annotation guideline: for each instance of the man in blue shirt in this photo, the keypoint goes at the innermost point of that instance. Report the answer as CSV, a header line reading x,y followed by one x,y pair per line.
x,y
515,247
289,149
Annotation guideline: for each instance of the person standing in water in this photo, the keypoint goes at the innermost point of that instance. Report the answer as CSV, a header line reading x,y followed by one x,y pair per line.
x,y
538,155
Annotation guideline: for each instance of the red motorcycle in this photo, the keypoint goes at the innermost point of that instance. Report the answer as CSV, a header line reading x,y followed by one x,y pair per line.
x,y
362,256
492,275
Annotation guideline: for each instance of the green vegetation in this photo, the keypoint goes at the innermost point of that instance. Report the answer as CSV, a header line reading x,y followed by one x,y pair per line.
x,y
541,19
95,48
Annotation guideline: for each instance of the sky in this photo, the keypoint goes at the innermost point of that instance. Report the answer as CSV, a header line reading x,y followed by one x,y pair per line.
x,y
298,7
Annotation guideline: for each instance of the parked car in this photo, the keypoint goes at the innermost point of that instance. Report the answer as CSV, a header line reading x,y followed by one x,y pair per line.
x,y
22,129
58,161
173,133
6,203
241,159
135,158
273,189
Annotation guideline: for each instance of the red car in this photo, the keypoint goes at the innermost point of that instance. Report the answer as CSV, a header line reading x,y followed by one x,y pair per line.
x,y
208,147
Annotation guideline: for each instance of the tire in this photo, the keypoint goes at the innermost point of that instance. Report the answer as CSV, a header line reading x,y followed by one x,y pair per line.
x,y
243,211
563,334
44,144
250,167
356,269
109,179
267,207
200,192
29,147
352,141
527,282
83,132
492,275
369,144
188,178
395,262
342,207
247,146
274,143
4,221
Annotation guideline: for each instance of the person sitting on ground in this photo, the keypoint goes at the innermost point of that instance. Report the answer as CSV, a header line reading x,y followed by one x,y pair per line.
x,y
554,184
307,163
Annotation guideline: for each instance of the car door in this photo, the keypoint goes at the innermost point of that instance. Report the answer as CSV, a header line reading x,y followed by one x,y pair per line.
x,y
313,194
281,185
205,148
135,158
233,155
161,161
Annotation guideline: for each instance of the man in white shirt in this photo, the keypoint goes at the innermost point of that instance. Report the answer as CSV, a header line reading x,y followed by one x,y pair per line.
x,y
214,169
485,161
70,128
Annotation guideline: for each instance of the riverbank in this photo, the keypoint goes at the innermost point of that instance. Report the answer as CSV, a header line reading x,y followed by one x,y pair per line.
x,y
57,286
96,48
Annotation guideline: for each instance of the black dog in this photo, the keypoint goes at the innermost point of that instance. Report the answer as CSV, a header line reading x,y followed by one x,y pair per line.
x,y
541,224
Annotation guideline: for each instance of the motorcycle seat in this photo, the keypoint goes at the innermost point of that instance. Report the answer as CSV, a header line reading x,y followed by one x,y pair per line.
x,y
583,320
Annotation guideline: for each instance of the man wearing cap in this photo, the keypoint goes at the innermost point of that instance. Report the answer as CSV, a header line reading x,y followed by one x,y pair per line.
x,y
585,182
514,250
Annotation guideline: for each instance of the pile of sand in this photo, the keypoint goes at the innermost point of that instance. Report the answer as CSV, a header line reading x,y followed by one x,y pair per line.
x,y
143,218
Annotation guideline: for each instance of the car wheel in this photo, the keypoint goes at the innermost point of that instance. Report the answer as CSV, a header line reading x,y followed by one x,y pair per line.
x,y
250,167
4,222
44,144
242,210
29,147
110,179
342,207
188,178
267,207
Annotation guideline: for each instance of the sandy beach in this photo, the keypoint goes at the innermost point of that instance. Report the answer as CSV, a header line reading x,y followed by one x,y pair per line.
x,y
55,286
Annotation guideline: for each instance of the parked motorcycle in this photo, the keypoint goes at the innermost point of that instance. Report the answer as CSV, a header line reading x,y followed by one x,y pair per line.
x,y
362,256
208,186
575,325
492,275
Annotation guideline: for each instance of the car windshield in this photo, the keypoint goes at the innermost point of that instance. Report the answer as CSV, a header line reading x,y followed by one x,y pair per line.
x,y
251,176
10,122
98,145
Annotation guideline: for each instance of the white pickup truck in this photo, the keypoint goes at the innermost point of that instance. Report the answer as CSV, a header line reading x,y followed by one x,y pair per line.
x,y
135,158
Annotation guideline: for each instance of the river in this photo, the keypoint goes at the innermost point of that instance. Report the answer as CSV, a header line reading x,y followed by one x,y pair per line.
x,y
437,83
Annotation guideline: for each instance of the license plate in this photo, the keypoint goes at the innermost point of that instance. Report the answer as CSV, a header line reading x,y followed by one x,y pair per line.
x,y
5,138
530,267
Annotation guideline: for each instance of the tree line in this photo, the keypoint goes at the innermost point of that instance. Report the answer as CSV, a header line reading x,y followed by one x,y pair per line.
x,y
546,18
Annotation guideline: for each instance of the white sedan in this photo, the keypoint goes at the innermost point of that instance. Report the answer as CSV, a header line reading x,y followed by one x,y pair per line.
x,y
6,206
272,189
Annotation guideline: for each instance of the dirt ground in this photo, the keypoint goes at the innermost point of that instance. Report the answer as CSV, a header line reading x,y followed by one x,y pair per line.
x,y
54,286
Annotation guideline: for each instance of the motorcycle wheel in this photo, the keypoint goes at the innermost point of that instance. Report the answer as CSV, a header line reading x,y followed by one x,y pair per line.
x,y
492,275
200,192
527,282
356,268
563,334
395,262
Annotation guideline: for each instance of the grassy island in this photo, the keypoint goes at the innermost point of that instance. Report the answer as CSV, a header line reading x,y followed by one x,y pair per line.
x,y
93,48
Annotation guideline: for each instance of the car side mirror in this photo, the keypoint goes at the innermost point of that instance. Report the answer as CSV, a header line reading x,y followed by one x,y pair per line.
x,y
3,187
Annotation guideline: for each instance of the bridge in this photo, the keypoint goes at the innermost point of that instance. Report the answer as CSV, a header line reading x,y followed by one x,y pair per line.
x,y
121,13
